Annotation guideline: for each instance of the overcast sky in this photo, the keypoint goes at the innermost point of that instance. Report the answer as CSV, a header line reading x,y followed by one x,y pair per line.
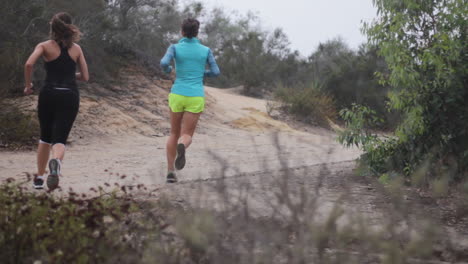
x,y
308,22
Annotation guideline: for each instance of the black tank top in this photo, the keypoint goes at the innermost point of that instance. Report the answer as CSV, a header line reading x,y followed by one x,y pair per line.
x,y
61,71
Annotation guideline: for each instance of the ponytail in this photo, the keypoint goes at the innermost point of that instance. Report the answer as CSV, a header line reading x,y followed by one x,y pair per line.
x,y
63,31
190,27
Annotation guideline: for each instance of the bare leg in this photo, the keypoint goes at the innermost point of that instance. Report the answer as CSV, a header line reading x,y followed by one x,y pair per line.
x,y
58,151
189,124
43,153
176,122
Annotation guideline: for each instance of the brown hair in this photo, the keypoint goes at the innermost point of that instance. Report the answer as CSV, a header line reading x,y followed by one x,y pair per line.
x,y
63,31
190,27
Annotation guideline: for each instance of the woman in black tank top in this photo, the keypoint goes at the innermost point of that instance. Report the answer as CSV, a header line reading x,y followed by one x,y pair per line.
x,y
61,71
59,99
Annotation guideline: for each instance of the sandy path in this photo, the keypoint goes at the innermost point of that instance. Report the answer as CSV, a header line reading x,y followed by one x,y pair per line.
x,y
236,129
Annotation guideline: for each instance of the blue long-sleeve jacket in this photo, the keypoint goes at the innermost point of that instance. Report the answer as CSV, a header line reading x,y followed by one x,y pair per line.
x,y
190,58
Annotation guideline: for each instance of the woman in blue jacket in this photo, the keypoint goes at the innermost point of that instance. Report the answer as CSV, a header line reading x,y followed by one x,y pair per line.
x,y
187,97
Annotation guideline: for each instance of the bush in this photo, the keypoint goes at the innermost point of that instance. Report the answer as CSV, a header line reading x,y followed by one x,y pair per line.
x,y
349,76
425,47
308,103
360,122
71,228
17,129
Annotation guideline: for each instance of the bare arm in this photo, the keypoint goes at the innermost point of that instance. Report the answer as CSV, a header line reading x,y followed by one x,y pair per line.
x,y
29,66
83,75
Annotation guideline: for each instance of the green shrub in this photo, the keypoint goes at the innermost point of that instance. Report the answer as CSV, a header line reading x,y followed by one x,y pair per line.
x,y
349,76
427,74
71,229
308,103
360,122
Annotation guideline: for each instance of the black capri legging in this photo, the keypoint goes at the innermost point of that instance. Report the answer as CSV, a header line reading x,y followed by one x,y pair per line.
x,y
57,110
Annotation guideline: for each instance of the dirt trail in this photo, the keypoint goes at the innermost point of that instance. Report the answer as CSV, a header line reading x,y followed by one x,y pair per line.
x,y
122,130
124,133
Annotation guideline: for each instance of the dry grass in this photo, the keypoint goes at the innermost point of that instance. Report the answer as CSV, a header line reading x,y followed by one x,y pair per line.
x,y
130,226
309,104
17,129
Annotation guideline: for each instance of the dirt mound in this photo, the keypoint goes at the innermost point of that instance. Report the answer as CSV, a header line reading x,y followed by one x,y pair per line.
x,y
257,120
137,106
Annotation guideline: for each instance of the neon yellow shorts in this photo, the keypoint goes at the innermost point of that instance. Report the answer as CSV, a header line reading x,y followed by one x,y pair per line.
x,y
179,103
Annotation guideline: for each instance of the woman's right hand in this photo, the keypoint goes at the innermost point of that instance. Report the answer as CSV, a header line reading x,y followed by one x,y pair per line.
x,y
28,89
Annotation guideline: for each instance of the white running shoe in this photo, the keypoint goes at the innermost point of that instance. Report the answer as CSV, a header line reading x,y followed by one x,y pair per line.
x,y
38,182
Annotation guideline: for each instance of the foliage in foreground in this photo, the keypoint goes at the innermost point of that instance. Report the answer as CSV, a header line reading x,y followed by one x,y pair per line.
x,y
425,47
71,229
126,228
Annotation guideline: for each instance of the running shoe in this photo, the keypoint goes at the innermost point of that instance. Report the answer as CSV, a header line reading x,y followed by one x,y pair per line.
x,y
53,179
180,160
38,182
171,177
